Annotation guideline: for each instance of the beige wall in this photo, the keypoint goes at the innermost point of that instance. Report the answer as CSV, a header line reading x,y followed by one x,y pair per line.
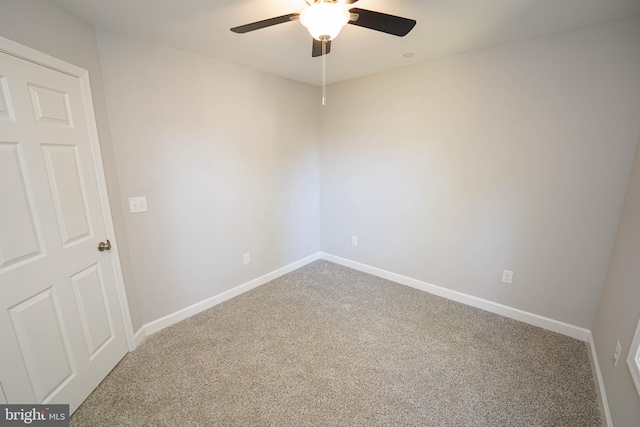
x,y
515,157
619,309
48,28
228,160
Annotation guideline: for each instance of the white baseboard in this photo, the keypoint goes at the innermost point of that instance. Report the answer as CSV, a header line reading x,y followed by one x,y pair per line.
x,y
493,307
602,395
503,310
168,320
140,335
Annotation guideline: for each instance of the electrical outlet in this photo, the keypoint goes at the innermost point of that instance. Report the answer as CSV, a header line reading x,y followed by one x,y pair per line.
x,y
616,353
354,240
507,276
246,258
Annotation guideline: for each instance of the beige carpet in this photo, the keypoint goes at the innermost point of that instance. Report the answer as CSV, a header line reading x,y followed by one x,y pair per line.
x,y
329,346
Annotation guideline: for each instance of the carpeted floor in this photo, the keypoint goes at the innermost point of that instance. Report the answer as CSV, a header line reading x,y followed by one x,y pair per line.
x,y
326,345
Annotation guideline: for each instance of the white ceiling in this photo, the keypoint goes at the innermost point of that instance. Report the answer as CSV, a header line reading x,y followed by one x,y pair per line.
x,y
445,27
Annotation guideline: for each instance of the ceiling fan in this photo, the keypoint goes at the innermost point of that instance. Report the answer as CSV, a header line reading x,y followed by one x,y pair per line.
x,y
325,18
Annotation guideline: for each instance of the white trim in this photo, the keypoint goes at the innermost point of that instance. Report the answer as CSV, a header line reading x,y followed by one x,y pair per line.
x,y
633,360
15,49
140,335
494,307
602,393
170,319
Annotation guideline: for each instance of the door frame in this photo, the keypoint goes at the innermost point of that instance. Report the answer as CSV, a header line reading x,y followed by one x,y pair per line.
x,y
23,52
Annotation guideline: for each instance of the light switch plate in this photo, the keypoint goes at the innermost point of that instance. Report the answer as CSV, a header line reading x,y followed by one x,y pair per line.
x,y
137,204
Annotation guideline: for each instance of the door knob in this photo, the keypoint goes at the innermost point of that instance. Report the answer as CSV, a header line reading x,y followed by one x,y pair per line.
x,y
104,246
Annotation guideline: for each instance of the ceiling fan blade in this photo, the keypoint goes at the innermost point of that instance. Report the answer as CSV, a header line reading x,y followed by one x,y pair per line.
x,y
349,1
379,21
317,48
265,23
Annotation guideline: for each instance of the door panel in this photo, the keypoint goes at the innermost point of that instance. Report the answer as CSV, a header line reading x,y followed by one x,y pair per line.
x,y
44,344
19,237
91,298
50,106
61,328
67,189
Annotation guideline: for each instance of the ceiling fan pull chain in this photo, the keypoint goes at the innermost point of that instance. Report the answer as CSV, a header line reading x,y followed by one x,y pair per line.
x,y
324,72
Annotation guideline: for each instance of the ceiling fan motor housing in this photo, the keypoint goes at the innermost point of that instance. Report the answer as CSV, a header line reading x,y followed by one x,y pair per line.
x,y
325,19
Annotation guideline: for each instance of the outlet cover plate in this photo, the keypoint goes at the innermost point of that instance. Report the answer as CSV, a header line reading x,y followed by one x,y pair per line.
x,y
616,353
507,276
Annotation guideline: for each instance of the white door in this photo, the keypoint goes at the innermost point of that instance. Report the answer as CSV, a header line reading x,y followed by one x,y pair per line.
x,y
61,327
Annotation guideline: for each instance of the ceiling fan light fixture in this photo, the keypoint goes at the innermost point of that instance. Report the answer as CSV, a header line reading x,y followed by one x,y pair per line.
x,y
325,20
